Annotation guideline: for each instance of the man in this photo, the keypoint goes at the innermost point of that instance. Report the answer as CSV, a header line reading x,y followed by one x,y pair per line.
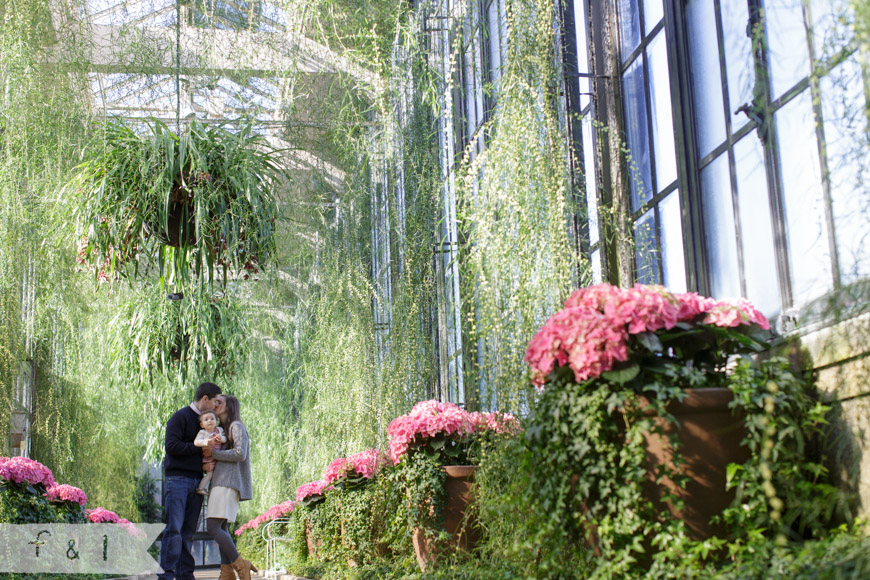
x,y
182,470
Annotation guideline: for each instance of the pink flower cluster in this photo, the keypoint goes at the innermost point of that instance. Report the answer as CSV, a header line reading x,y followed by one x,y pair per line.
x,y
365,463
426,420
306,490
502,423
66,492
21,470
103,516
591,333
433,418
273,513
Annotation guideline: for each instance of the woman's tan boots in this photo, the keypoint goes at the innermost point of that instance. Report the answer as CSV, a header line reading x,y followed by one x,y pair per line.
x,y
243,568
227,573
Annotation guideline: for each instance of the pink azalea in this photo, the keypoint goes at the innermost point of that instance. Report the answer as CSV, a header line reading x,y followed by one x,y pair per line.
x,y
103,516
276,511
24,470
66,492
592,332
311,488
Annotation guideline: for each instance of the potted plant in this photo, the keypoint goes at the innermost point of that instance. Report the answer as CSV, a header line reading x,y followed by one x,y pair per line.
x,y
310,495
655,419
194,202
435,447
204,331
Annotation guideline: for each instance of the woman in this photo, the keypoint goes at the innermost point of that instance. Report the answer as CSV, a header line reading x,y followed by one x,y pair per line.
x,y
230,484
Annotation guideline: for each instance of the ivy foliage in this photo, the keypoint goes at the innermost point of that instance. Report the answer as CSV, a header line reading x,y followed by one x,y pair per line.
x,y
586,507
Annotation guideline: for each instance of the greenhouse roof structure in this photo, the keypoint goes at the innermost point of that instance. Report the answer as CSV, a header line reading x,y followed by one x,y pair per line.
x,y
208,60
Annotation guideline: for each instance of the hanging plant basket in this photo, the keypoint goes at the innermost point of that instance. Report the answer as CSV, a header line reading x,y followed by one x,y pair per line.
x,y
202,332
195,202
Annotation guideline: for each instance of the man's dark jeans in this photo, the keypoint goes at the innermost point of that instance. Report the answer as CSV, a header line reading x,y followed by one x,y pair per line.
x,y
181,508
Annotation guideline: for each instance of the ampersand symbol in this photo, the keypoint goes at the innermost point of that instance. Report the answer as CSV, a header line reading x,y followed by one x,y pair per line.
x,y
71,548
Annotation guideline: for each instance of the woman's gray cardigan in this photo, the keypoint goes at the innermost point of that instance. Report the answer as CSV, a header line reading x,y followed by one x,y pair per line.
x,y
233,466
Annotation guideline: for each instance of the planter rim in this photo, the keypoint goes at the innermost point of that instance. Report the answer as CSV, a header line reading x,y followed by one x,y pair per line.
x,y
459,471
713,399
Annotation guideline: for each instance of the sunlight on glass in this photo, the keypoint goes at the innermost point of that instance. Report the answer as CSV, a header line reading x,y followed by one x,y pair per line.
x,y
802,195
720,229
673,260
589,178
787,44
629,27
756,230
638,135
652,14
845,124
738,58
662,117
706,78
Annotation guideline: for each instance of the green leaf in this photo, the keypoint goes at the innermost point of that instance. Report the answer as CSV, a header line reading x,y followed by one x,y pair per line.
x,y
650,341
622,376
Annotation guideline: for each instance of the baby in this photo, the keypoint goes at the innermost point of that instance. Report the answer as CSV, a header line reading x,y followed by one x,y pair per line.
x,y
208,421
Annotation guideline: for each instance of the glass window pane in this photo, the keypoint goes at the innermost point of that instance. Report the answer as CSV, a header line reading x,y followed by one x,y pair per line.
x,y
660,106
637,134
832,20
787,44
738,58
721,233
802,195
582,54
652,13
629,27
673,260
706,75
845,124
646,258
589,179
756,229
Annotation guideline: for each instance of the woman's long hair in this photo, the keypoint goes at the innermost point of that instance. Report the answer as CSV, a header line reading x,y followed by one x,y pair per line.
x,y
233,412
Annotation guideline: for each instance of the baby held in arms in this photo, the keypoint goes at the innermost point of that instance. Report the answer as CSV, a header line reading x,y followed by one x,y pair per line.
x,y
210,430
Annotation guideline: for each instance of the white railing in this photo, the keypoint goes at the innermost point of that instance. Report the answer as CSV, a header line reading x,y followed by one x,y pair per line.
x,y
272,540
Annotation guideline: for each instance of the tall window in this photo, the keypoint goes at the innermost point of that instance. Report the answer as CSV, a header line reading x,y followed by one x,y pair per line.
x,y
580,123
649,133
740,122
766,121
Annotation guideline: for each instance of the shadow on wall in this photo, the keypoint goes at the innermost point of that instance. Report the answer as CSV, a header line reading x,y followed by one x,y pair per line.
x,y
837,352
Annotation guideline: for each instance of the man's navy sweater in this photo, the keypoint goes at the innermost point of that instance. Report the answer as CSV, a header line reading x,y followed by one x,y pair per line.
x,y
182,456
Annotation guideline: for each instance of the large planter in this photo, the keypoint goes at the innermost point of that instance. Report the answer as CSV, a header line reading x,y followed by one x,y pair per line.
x,y
313,544
710,437
463,531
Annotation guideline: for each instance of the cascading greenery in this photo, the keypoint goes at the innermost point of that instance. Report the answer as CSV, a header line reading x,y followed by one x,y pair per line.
x,y
46,317
516,204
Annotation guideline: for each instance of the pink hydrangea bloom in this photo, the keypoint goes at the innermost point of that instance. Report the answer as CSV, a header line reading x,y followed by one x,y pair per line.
x,y
592,332
306,490
365,463
426,420
24,470
276,511
66,492
103,516
503,423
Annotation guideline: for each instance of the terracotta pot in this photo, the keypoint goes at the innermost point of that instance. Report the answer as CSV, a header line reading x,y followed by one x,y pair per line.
x,y
312,543
711,439
464,533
